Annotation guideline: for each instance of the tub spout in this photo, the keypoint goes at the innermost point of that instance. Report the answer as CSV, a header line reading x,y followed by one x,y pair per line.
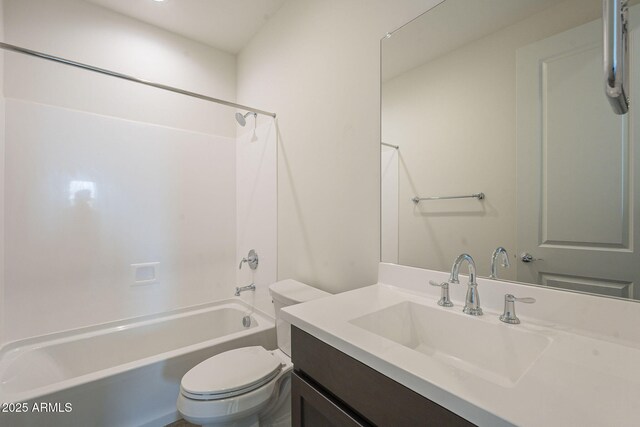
x,y
251,287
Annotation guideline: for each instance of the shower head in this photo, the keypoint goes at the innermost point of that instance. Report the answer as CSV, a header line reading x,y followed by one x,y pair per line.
x,y
241,119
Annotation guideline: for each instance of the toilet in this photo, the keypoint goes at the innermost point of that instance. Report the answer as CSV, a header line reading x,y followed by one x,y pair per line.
x,y
248,386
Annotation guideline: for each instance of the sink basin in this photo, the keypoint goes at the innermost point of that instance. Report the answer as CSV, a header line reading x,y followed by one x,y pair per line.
x,y
491,350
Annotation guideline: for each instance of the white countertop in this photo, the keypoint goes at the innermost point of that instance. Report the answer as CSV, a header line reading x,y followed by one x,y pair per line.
x,y
588,375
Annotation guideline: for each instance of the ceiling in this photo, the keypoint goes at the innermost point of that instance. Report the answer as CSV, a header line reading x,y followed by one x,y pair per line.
x,y
227,25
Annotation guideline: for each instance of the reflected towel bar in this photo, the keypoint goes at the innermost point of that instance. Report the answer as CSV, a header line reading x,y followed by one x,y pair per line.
x,y
478,196
390,145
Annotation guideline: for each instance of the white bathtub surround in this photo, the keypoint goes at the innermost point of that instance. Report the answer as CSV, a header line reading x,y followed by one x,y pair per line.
x,y
257,207
123,373
572,360
103,174
389,204
87,196
126,195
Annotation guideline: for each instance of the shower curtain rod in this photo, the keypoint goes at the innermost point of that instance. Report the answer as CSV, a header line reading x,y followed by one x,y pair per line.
x,y
18,49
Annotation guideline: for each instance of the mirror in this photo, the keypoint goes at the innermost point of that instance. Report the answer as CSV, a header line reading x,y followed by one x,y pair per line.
x,y
507,98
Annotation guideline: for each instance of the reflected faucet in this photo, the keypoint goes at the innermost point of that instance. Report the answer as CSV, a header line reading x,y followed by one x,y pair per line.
x,y
505,261
472,301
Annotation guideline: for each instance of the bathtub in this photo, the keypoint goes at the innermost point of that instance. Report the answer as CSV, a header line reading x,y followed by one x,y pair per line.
x,y
124,373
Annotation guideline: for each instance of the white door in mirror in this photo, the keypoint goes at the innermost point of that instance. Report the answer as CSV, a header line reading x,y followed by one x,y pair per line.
x,y
575,169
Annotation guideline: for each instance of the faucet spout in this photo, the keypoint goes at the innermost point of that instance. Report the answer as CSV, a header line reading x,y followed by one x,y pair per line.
x,y
472,301
455,269
241,289
494,257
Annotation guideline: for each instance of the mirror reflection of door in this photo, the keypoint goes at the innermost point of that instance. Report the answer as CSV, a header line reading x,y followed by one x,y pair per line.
x,y
506,98
575,174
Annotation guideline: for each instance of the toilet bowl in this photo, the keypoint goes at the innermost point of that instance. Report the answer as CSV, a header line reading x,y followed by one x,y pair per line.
x,y
248,386
235,387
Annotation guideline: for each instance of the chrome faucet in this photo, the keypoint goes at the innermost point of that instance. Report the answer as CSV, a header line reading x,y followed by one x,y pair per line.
x,y
505,261
250,287
509,315
251,259
472,301
444,300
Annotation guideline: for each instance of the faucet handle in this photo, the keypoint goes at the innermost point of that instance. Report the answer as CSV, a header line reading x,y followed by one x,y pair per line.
x,y
526,300
509,315
251,259
444,300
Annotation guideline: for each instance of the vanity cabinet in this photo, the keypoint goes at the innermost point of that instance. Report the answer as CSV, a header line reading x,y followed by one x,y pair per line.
x,y
330,388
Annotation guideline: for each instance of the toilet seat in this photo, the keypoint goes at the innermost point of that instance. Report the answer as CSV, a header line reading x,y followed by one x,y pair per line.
x,y
229,374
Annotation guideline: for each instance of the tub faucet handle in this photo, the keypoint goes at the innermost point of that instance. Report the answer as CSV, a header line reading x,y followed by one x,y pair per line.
x,y
251,259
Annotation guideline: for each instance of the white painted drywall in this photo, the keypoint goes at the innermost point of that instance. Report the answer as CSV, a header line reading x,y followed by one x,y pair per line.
x,y
456,132
88,33
163,167
317,65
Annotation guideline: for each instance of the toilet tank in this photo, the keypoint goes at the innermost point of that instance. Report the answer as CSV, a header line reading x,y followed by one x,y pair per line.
x,y
285,293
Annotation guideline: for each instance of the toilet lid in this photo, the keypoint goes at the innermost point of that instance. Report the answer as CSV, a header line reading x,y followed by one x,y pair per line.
x,y
230,373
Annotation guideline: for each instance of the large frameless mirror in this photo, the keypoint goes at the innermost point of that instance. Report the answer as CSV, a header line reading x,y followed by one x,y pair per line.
x,y
497,132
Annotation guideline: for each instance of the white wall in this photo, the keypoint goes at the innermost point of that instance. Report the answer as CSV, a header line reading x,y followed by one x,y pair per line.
x,y
454,119
163,165
2,110
87,33
317,65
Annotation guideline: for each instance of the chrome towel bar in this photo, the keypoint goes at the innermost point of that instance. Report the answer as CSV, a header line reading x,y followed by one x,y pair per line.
x,y
390,145
478,196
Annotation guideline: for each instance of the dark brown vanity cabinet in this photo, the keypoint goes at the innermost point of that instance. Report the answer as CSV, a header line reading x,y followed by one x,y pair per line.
x,y
330,388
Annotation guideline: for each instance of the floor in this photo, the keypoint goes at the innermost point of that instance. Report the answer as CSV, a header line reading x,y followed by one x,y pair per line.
x,y
181,423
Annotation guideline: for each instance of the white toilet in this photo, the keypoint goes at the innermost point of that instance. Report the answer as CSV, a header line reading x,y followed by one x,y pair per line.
x,y
248,386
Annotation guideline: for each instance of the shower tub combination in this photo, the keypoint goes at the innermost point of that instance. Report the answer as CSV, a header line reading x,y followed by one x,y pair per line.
x,y
124,373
